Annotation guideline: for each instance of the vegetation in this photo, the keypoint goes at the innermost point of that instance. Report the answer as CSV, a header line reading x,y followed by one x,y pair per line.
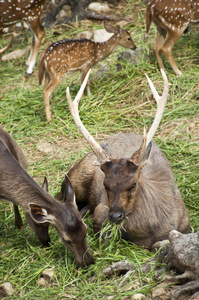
x,y
123,102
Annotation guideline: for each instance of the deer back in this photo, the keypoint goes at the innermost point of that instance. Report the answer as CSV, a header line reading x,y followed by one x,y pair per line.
x,y
41,209
172,15
14,11
13,147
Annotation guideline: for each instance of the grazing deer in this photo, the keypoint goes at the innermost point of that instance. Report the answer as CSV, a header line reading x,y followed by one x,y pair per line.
x,y
13,11
171,17
72,55
130,181
40,208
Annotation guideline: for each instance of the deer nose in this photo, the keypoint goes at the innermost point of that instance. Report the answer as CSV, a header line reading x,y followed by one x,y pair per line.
x,y
116,216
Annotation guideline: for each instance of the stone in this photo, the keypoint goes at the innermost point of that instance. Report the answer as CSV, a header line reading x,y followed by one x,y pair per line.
x,y
99,7
6,290
101,35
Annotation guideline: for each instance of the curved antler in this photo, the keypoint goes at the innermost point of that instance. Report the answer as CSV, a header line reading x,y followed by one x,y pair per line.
x,y
73,106
161,102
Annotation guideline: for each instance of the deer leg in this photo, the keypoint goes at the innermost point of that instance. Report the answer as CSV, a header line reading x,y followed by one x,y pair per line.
x,y
161,34
100,215
18,220
38,33
172,38
47,92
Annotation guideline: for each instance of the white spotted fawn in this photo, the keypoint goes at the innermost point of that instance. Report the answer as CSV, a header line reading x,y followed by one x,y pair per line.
x,y
72,55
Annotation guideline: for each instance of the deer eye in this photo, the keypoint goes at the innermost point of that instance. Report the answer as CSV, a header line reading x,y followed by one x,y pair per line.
x,y
132,187
106,187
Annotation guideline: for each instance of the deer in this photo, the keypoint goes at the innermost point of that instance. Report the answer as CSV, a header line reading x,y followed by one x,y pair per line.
x,y
13,11
129,181
172,19
73,55
41,210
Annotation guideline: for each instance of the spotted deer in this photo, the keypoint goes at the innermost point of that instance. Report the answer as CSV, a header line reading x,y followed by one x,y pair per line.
x,y
171,18
129,181
13,11
73,55
40,208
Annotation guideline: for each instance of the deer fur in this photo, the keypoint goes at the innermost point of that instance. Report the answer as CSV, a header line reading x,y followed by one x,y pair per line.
x,y
73,55
171,18
13,11
40,208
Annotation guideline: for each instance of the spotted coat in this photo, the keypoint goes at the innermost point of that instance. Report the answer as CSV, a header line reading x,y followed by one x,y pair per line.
x,y
13,11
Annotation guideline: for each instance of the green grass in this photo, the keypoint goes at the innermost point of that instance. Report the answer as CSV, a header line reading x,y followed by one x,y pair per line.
x,y
121,103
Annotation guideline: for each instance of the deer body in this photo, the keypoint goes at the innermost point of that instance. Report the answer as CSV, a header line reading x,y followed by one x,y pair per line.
x,y
151,211
41,209
129,180
73,55
171,18
13,11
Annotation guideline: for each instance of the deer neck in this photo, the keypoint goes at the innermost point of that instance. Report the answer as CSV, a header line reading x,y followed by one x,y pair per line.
x,y
106,48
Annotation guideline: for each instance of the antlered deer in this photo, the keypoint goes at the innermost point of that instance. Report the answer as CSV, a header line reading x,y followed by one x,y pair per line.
x,y
73,55
13,11
130,181
171,18
40,208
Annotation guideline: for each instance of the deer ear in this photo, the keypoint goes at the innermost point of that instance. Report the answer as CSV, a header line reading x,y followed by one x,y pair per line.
x,y
40,214
109,28
69,193
141,155
45,184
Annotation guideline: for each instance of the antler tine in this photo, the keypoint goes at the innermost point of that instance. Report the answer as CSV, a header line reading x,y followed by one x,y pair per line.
x,y
161,102
73,106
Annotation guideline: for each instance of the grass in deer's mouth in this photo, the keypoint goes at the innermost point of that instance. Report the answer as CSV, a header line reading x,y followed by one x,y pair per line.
x,y
121,103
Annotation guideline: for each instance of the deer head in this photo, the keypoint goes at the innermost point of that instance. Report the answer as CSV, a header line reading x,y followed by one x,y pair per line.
x,y
69,224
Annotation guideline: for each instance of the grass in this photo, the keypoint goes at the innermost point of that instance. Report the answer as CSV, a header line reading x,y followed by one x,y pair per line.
x,y
121,103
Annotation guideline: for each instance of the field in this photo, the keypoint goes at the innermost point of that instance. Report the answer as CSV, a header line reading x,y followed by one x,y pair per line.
x,y
123,102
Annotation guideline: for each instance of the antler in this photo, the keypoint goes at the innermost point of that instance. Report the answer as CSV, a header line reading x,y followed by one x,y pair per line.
x,y
73,106
101,154
161,102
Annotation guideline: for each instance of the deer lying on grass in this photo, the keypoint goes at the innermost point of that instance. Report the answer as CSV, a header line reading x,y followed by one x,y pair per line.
x,y
172,18
13,11
129,180
73,55
40,208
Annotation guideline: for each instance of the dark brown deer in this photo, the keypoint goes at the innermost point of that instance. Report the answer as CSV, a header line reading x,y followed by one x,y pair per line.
x,y
129,181
171,18
73,55
13,11
40,208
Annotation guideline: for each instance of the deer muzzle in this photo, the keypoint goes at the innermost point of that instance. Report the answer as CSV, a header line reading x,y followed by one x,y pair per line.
x,y
116,216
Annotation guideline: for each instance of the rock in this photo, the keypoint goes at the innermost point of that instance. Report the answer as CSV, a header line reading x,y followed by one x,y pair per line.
x,y
42,282
65,12
101,35
15,54
45,147
99,7
102,72
139,296
84,35
129,55
158,291
6,289
48,274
